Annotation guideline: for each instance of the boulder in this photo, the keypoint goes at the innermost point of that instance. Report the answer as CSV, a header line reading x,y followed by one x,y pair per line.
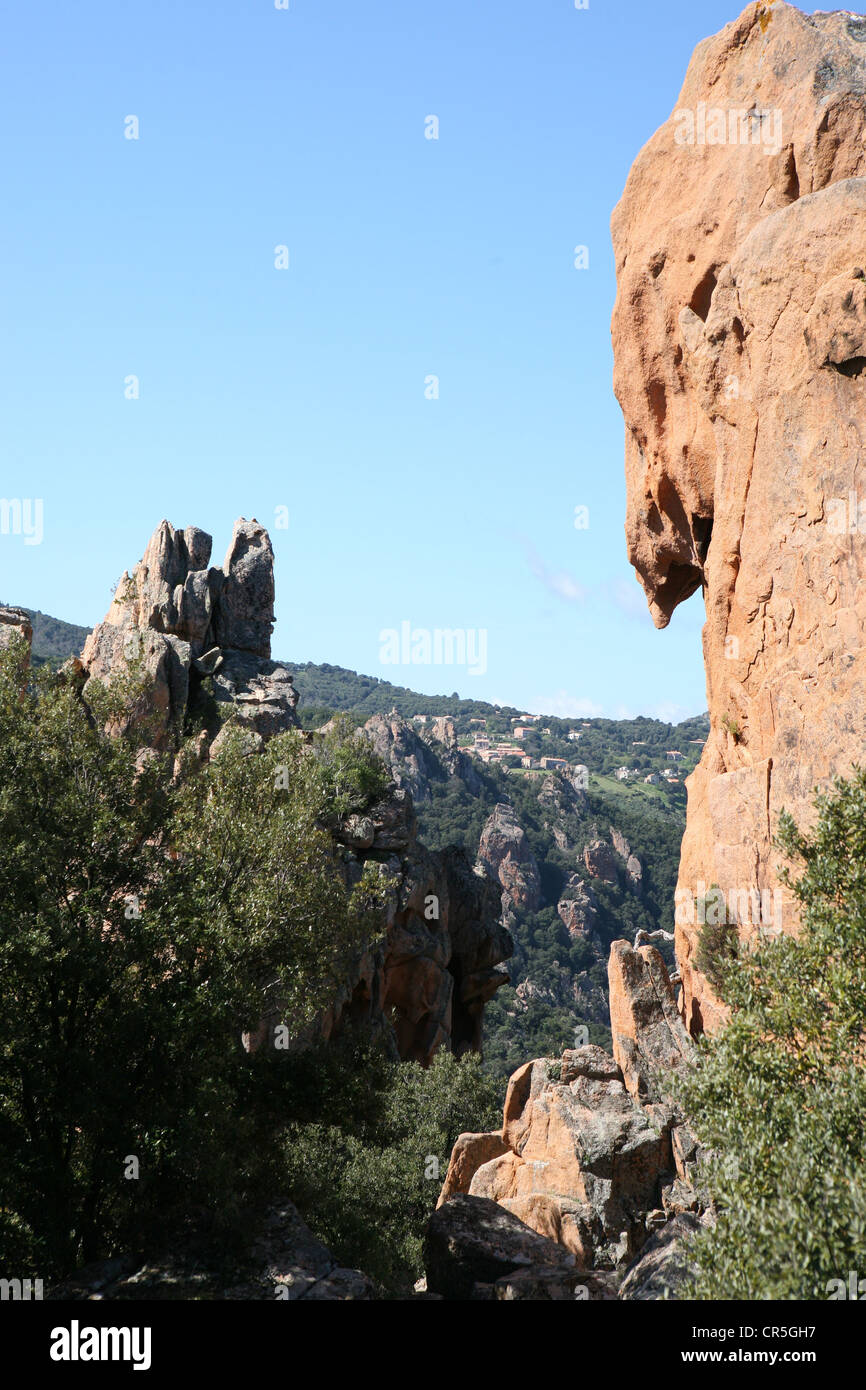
x,y
662,1266
467,1156
472,1242
584,1159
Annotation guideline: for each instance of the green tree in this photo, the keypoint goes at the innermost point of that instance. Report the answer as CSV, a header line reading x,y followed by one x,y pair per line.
x,y
779,1095
365,1163
143,920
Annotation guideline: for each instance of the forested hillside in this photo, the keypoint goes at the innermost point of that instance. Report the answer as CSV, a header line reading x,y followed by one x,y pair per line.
x,y
558,972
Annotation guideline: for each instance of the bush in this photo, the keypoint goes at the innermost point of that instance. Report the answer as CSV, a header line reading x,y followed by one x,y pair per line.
x,y
779,1096
368,1147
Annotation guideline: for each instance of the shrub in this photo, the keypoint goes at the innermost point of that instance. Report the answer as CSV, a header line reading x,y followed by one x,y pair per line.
x,y
779,1097
366,1154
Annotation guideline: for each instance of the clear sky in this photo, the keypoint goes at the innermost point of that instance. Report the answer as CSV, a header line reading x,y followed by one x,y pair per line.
x,y
262,388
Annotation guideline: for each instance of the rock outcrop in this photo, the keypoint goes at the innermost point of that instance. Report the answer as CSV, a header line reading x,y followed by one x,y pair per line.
x,y
409,759
601,861
593,1155
578,907
14,622
739,337
194,631
505,854
649,1038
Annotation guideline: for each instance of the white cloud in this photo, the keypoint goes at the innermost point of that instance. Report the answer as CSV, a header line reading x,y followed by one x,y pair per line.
x,y
558,582
565,706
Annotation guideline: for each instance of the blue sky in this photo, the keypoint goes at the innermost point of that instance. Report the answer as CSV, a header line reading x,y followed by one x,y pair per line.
x,y
306,388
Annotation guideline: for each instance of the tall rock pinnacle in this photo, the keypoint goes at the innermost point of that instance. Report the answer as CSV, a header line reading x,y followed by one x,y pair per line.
x,y
739,337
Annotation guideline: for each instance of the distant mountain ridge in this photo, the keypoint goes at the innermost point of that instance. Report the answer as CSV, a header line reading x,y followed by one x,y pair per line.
x,y
54,640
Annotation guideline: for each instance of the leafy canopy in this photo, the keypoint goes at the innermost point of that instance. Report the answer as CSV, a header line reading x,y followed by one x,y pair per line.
x,y
143,920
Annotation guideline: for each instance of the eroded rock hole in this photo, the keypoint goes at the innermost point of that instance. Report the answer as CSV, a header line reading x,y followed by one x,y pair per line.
x,y
702,531
703,294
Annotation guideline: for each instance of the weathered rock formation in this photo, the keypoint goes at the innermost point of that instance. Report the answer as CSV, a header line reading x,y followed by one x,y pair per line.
x,y
739,337
442,956
505,854
409,759
477,1250
593,1155
578,907
649,1038
601,861
188,627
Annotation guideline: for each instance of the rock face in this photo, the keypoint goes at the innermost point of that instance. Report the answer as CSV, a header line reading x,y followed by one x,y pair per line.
x,y
504,853
441,958
188,627
739,337
601,861
591,1155
647,1031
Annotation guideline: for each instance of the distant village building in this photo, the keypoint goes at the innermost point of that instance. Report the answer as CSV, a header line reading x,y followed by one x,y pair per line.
x,y
521,731
554,762
622,774
420,718
654,779
573,735
674,755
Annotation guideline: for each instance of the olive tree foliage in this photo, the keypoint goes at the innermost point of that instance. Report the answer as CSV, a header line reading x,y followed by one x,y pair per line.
x,y
779,1095
142,917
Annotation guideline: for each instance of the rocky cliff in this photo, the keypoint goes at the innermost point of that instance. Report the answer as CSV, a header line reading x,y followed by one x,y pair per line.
x,y
739,337
200,638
